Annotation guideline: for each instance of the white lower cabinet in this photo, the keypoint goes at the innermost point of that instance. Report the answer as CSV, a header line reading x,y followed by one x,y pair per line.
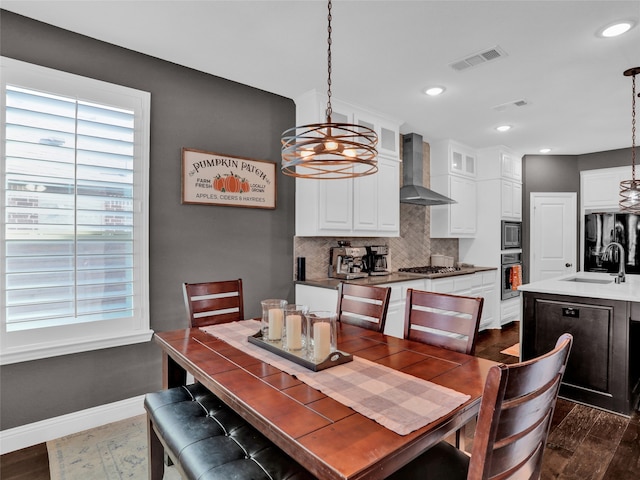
x,y
479,284
317,298
320,298
491,300
394,325
459,285
510,311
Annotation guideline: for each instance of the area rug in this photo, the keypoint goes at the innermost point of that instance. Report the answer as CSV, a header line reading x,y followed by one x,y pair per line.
x,y
115,451
513,350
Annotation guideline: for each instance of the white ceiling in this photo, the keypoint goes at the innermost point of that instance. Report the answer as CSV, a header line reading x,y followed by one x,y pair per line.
x,y
386,52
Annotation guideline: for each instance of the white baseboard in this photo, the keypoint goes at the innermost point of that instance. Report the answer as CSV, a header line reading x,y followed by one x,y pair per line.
x,y
52,428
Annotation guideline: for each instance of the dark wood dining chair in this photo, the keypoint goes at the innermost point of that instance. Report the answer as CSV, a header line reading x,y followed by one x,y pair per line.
x,y
209,303
443,320
513,425
363,305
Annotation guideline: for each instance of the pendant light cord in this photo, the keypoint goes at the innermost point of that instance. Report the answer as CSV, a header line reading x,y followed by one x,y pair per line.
x,y
329,109
633,128
329,150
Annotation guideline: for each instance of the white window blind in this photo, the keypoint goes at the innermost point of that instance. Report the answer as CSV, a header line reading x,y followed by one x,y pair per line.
x,y
75,226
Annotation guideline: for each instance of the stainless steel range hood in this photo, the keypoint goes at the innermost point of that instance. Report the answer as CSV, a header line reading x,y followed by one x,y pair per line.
x,y
412,166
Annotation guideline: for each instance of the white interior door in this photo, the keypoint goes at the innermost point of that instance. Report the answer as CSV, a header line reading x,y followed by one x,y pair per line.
x,y
553,234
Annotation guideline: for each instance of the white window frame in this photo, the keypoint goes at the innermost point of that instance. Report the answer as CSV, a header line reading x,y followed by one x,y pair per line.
x,y
47,342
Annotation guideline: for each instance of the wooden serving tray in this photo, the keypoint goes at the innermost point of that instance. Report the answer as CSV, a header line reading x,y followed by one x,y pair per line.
x,y
299,357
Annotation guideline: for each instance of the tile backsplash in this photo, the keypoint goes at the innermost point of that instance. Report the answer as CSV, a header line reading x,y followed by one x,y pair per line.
x,y
413,247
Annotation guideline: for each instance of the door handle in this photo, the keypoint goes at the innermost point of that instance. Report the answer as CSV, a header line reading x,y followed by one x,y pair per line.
x,y
568,265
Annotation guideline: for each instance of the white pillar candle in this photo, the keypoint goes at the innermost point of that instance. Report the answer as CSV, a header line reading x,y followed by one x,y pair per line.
x,y
321,340
294,332
275,324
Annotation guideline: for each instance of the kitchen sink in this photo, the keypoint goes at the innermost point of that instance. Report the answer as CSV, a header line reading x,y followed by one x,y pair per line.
x,y
588,280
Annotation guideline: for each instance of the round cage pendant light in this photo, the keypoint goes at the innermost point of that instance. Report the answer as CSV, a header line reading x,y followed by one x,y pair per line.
x,y
329,150
630,189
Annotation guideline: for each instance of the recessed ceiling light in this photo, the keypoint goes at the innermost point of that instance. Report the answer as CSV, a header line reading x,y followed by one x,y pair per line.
x,y
545,150
434,91
503,128
615,29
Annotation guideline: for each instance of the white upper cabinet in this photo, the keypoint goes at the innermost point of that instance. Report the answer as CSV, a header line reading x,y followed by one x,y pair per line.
x,y
375,201
453,172
335,212
453,158
504,165
511,166
455,220
388,132
511,200
499,162
600,189
363,206
462,215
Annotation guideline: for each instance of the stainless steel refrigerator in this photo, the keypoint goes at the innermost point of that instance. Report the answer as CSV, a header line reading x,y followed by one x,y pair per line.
x,y
600,229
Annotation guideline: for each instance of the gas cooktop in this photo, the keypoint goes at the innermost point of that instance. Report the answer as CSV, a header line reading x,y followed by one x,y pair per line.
x,y
429,269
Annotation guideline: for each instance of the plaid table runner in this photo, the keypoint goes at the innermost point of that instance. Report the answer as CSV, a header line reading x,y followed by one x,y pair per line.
x,y
398,401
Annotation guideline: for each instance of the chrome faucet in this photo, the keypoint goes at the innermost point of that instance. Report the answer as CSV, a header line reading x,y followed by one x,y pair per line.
x,y
620,276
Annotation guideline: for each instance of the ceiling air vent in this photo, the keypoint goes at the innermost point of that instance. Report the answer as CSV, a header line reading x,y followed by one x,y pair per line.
x,y
478,58
516,103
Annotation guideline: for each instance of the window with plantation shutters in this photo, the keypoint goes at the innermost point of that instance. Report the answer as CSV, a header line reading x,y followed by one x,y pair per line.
x,y
75,229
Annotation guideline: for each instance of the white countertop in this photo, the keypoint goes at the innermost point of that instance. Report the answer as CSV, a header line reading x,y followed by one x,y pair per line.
x,y
628,291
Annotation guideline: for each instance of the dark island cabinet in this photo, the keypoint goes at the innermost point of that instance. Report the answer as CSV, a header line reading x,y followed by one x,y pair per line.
x,y
603,368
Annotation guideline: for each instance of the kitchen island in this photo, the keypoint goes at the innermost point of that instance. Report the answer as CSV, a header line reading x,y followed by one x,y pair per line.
x,y
604,319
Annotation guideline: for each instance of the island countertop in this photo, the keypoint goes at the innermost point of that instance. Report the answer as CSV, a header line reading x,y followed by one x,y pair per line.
x,y
588,284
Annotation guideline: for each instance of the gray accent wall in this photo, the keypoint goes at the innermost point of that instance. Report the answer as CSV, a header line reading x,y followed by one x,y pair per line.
x,y
610,159
188,243
560,173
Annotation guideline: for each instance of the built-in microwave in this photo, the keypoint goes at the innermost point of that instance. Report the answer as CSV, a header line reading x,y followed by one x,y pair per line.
x,y
511,235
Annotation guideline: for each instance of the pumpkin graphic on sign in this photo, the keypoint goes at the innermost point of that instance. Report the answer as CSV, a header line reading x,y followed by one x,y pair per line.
x,y
231,183
218,183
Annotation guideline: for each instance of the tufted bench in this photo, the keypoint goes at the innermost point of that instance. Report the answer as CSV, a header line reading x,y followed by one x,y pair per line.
x,y
206,440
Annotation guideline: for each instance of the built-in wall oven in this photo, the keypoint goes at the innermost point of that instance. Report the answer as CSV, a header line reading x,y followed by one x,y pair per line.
x,y
511,275
511,235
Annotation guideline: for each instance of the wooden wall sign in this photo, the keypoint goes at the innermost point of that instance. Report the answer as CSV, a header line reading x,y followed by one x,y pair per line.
x,y
215,179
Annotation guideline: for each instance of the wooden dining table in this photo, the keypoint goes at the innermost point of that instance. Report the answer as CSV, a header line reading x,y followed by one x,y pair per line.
x,y
329,439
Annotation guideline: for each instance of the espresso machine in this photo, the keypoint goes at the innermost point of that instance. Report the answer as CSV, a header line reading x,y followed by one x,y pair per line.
x,y
347,262
376,262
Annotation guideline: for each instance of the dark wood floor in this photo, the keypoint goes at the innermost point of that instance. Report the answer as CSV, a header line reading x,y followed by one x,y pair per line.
x,y
584,443
27,464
